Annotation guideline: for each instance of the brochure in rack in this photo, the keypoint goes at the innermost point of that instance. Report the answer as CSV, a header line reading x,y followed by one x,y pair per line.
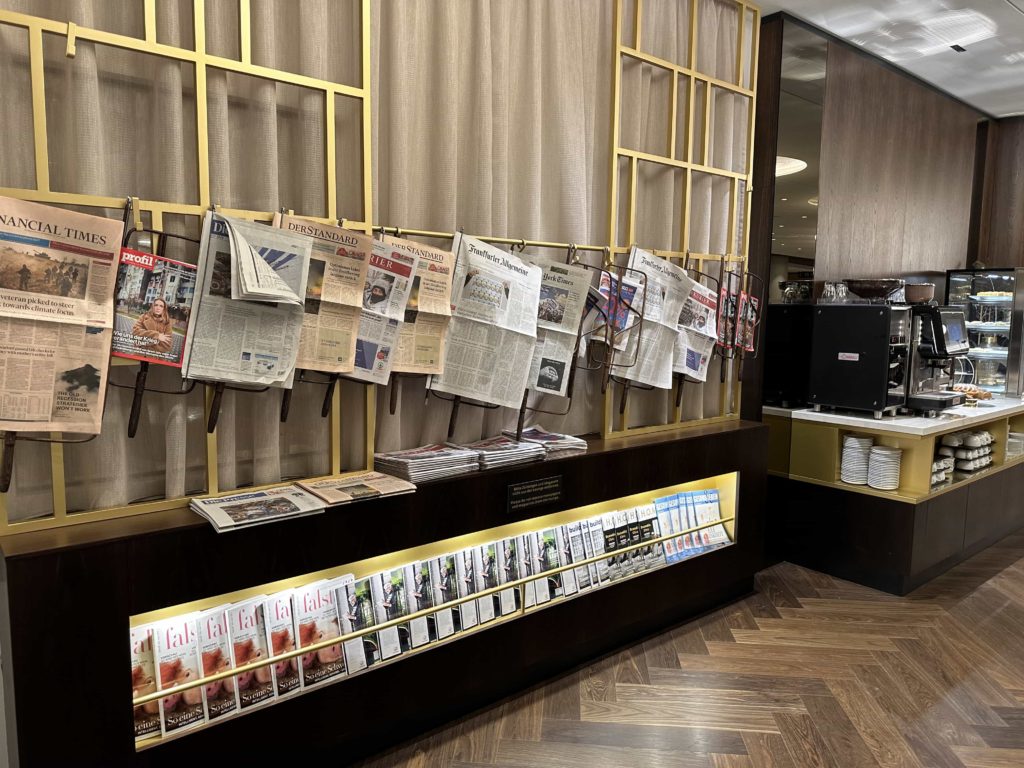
x,y
177,663
214,648
147,716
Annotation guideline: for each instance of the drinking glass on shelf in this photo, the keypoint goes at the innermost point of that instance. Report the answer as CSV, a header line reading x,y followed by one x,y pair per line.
x,y
828,295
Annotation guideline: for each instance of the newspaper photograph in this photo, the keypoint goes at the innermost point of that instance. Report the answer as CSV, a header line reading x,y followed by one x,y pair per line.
x,y
652,345
365,485
244,510
563,295
53,376
238,341
746,321
152,304
421,336
57,265
693,354
266,263
389,280
334,293
493,333
618,306
700,309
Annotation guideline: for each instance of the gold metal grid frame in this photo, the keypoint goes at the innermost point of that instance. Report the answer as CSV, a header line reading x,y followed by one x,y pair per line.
x,y
696,158
201,61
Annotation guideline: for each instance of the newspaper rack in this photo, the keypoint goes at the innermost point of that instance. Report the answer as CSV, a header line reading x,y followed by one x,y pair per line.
x,y
521,610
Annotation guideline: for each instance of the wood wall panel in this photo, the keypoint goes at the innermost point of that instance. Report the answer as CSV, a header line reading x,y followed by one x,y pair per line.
x,y
897,163
1002,232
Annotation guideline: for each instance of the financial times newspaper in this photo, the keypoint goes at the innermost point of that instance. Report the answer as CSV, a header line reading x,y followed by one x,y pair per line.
x,y
240,341
57,265
421,337
494,325
652,345
389,281
334,294
563,294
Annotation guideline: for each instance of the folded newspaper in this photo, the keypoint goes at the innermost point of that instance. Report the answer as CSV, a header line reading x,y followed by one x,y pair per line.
x,y
365,485
244,510
501,451
429,462
555,445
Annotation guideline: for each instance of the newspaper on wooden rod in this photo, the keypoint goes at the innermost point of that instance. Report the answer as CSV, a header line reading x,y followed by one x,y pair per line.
x,y
563,295
236,340
652,345
334,294
698,332
57,272
494,325
421,337
244,510
264,268
389,281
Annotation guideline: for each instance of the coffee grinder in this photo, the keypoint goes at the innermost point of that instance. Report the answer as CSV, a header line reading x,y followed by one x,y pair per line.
x,y
938,338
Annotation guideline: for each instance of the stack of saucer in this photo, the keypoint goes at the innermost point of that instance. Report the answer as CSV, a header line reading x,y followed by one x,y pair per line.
x,y
884,468
854,467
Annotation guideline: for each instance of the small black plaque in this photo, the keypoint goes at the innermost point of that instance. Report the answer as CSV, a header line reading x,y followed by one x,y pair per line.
x,y
534,493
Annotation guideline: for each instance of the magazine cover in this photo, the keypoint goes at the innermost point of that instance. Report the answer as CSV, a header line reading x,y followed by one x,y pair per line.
x,y
611,543
545,558
315,614
746,321
485,572
650,529
178,664
442,579
635,539
524,550
277,613
663,510
569,583
577,551
588,552
416,577
596,531
147,717
687,515
389,603
626,557
465,580
356,609
152,303
214,650
248,633
508,571
714,512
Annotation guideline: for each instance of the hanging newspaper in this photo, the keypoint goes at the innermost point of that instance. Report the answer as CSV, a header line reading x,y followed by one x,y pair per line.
x,y
700,309
693,354
334,294
616,308
563,295
264,268
746,321
493,327
153,301
421,338
56,314
239,341
57,265
652,344
386,292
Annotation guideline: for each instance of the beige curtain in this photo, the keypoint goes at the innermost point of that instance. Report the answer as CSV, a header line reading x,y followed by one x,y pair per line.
x,y
488,115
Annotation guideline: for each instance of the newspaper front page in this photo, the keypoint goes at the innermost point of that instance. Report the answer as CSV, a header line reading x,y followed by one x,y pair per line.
x,y
563,295
238,341
653,345
334,294
389,281
244,510
693,354
494,326
421,337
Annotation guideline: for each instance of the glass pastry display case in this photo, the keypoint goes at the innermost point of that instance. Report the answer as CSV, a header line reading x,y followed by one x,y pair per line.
x,y
993,304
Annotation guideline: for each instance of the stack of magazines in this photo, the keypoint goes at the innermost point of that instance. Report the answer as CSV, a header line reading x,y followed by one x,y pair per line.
x,y
429,462
502,451
244,510
555,444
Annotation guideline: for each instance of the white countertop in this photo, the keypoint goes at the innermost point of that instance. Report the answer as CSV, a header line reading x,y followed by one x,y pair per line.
x,y
771,410
949,420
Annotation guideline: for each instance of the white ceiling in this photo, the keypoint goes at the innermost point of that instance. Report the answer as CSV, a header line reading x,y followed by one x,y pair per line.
x,y
917,34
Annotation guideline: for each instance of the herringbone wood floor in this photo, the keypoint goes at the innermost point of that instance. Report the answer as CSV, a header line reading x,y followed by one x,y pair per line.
x,y
810,671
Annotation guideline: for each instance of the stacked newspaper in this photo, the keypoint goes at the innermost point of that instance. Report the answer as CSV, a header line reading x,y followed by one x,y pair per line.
x,y
244,510
365,485
430,462
555,445
502,451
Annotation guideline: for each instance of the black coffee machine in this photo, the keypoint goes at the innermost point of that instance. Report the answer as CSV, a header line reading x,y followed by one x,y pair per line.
x,y
938,338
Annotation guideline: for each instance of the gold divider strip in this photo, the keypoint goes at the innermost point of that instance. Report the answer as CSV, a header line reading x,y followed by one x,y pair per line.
x,y
613,177
673,114
149,12
367,118
706,138
36,72
330,157
638,10
633,53
740,35
245,31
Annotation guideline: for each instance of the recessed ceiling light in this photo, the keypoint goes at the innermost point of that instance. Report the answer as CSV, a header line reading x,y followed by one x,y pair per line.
x,y
803,217
782,226
785,199
784,166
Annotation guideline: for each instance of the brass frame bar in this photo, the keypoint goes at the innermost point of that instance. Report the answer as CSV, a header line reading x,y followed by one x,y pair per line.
x,y
633,53
402,231
245,31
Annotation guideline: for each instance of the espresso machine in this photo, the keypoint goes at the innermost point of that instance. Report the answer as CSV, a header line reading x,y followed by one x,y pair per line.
x,y
938,338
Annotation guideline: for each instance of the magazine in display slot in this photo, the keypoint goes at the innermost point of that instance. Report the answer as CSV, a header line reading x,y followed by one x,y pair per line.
x,y
177,664
315,613
146,717
569,584
663,509
277,615
152,305
687,511
597,544
419,598
484,574
626,557
388,592
573,533
442,579
248,632
524,552
650,529
549,559
635,539
214,649
588,552
508,571
610,539
465,578
355,609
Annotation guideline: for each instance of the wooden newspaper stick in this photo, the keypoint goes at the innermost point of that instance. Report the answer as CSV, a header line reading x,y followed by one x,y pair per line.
x,y
140,388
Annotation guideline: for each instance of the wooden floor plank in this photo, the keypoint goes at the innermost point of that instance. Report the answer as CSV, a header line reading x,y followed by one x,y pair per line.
x,y
804,742
984,757
874,725
738,682
675,738
796,638
808,667
740,718
768,750
838,732
529,754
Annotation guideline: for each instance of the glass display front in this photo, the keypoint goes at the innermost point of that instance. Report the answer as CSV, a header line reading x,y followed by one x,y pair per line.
x,y
987,298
